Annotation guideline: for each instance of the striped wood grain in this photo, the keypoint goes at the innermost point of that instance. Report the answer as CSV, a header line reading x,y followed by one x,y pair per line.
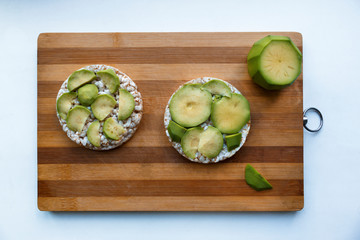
x,y
146,173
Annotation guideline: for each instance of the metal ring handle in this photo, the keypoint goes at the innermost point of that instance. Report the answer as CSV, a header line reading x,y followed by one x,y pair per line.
x,y
305,119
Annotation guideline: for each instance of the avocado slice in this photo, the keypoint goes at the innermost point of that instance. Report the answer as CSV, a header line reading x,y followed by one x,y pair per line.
x,y
102,106
176,131
93,133
190,106
190,141
126,104
233,141
87,94
217,87
63,104
79,78
76,118
254,179
274,62
112,129
110,79
229,115
211,142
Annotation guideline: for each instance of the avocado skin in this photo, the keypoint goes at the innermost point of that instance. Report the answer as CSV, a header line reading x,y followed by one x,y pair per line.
x,y
254,179
233,141
176,131
253,61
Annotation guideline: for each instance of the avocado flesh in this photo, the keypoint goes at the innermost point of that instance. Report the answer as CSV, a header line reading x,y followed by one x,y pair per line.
x,y
190,105
76,118
63,104
229,115
175,131
211,142
126,104
233,141
102,106
274,62
254,179
110,79
87,94
93,133
190,141
112,129
217,87
80,78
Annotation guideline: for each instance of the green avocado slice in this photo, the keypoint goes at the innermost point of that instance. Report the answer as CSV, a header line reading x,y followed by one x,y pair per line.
x,y
110,79
79,78
211,142
93,133
176,131
229,115
190,105
190,141
126,104
112,129
63,104
217,87
233,141
102,106
76,118
87,94
254,179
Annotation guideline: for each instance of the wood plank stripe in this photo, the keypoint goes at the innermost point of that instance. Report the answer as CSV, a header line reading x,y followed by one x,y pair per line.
x,y
165,55
151,138
148,88
204,39
166,171
234,73
166,203
75,155
113,188
153,72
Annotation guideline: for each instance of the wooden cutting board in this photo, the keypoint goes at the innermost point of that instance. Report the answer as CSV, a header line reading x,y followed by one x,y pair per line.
x,y
146,173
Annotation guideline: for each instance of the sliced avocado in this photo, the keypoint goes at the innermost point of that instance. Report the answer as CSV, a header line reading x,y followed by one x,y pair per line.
x,y
110,79
217,87
274,62
217,97
87,94
112,129
176,131
63,104
233,141
197,85
126,104
190,105
79,78
93,133
102,106
190,141
211,142
229,115
76,118
254,179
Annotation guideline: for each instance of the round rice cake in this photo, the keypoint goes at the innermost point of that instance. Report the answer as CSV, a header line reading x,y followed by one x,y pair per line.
x,y
130,124
224,153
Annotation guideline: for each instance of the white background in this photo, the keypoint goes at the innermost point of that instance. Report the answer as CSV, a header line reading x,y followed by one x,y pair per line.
x,y
331,51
